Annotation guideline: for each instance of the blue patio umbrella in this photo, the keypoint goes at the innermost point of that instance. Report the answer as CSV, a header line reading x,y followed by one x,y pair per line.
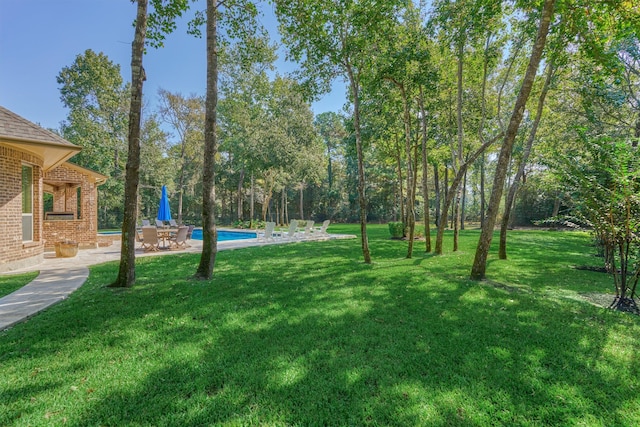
x,y
164,213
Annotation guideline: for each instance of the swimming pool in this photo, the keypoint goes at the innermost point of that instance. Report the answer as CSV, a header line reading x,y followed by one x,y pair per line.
x,y
224,235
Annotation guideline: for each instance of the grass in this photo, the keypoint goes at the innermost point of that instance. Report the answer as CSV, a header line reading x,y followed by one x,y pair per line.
x,y
306,334
13,282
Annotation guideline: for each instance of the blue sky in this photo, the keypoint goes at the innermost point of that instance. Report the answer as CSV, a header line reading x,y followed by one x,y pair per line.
x,y
40,37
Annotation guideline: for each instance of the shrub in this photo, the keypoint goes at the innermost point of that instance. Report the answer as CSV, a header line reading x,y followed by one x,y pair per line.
x,y
396,229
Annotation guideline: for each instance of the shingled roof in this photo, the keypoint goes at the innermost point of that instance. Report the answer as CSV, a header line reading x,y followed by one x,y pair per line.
x,y
24,135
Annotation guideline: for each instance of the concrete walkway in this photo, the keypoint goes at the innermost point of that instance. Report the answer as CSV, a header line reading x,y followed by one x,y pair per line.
x,y
59,277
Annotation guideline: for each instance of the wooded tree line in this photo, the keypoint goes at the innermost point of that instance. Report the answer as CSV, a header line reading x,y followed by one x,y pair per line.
x,y
457,111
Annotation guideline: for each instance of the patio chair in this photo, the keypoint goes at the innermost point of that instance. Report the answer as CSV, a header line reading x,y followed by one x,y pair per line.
x,y
322,231
150,238
190,231
290,233
140,239
268,233
306,233
159,223
145,223
179,241
173,223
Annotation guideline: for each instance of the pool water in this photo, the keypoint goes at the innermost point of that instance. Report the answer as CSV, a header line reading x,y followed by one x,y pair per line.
x,y
224,235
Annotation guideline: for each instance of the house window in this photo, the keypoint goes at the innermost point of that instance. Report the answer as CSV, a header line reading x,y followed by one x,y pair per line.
x,y
79,203
27,203
47,202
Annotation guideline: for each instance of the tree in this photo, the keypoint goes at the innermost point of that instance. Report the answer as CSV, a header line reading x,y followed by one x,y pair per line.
x,y
93,91
164,17
406,64
333,39
467,30
604,182
482,251
331,128
239,16
245,88
127,272
186,117
502,252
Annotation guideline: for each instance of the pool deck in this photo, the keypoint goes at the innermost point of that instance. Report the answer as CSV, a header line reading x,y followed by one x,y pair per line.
x,y
59,277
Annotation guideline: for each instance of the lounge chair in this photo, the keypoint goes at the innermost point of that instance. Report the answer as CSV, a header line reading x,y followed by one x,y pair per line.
x,y
179,241
173,223
268,233
290,233
308,229
150,238
159,223
145,223
322,231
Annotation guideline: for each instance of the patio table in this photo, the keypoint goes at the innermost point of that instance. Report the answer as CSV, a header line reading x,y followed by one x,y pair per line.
x,y
164,234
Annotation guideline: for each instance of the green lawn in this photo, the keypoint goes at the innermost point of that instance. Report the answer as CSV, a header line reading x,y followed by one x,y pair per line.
x,y
306,334
13,282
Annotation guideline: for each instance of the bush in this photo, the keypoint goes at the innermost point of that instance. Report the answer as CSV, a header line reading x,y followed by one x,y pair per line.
x,y
255,224
396,229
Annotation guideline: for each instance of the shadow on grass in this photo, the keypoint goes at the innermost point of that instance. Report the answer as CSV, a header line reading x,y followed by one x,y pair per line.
x,y
307,334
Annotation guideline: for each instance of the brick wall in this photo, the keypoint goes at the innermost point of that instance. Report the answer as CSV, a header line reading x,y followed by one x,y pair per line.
x,y
13,252
84,228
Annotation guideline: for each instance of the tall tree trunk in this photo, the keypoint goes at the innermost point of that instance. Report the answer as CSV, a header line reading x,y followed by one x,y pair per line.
x,y
240,196
209,232
329,165
268,193
508,206
127,271
436,187
400,178
556,206
252,200
452,190
302,201
410,219
479,267
456,218
285,207
445,213
425,175
362,200
464,201
482,195
459,158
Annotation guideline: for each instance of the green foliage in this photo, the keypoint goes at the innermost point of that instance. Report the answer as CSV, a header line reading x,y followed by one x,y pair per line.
x,y
604,184
162,20
307,334
93,91
396,229
256,224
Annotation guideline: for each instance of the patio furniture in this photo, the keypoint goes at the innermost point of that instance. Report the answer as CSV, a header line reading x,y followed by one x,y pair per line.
x,y
179,241
140,239
173,223
306,233
268,233
290,233
145,223
159,223
150,238
322,231
190,231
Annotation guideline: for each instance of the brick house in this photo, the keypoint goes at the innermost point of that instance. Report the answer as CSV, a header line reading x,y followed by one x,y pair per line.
x,y
43,198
